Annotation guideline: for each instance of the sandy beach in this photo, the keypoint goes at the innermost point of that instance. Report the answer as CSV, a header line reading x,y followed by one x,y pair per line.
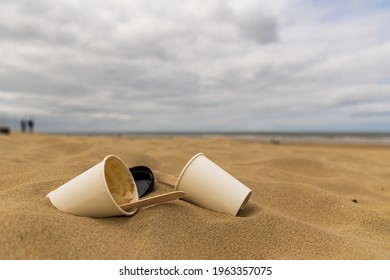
x,y
309,201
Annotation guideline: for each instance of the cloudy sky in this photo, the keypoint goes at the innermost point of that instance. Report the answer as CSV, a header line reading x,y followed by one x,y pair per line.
x,y
177,65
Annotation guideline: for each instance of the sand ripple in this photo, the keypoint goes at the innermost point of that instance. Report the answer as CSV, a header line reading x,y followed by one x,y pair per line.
x,y
308,202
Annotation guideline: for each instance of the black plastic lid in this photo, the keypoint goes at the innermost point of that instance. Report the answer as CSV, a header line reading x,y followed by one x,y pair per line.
x,y
144,179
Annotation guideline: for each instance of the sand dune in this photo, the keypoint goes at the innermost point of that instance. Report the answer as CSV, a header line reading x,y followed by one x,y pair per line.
x,y
308,202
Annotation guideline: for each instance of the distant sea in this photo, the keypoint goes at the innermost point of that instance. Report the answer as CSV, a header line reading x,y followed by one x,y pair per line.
x,y
382,138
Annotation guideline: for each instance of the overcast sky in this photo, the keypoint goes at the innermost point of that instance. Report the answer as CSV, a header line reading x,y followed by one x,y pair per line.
x,y
176,65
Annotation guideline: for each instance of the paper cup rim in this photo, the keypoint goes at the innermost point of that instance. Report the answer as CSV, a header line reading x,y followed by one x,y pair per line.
x,y
185,169
108,189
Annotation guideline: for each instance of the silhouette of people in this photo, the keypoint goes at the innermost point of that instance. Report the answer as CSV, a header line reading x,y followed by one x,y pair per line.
x,y
23,125
30,124
27,125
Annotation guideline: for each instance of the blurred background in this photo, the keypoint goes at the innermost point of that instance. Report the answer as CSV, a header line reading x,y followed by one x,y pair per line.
x,y
195,66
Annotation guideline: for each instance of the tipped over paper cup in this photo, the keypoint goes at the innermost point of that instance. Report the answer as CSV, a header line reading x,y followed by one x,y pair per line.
x,y
99,191
208,185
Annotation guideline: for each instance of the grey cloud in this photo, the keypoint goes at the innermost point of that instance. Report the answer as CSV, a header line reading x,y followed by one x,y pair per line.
x,y
261,28
252,20
366,95
218,65
27,23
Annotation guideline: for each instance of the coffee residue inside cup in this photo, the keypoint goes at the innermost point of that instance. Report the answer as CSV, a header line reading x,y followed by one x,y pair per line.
x,y
119,181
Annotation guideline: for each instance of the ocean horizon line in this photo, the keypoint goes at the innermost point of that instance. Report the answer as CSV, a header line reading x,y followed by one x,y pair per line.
x,y
275,137
227,132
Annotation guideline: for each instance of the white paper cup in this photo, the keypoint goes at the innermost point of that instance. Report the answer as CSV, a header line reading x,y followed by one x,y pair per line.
x,y
209,186
97,192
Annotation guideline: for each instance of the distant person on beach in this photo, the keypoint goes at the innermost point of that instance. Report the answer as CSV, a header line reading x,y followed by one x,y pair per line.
x,y
30,126
23,126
